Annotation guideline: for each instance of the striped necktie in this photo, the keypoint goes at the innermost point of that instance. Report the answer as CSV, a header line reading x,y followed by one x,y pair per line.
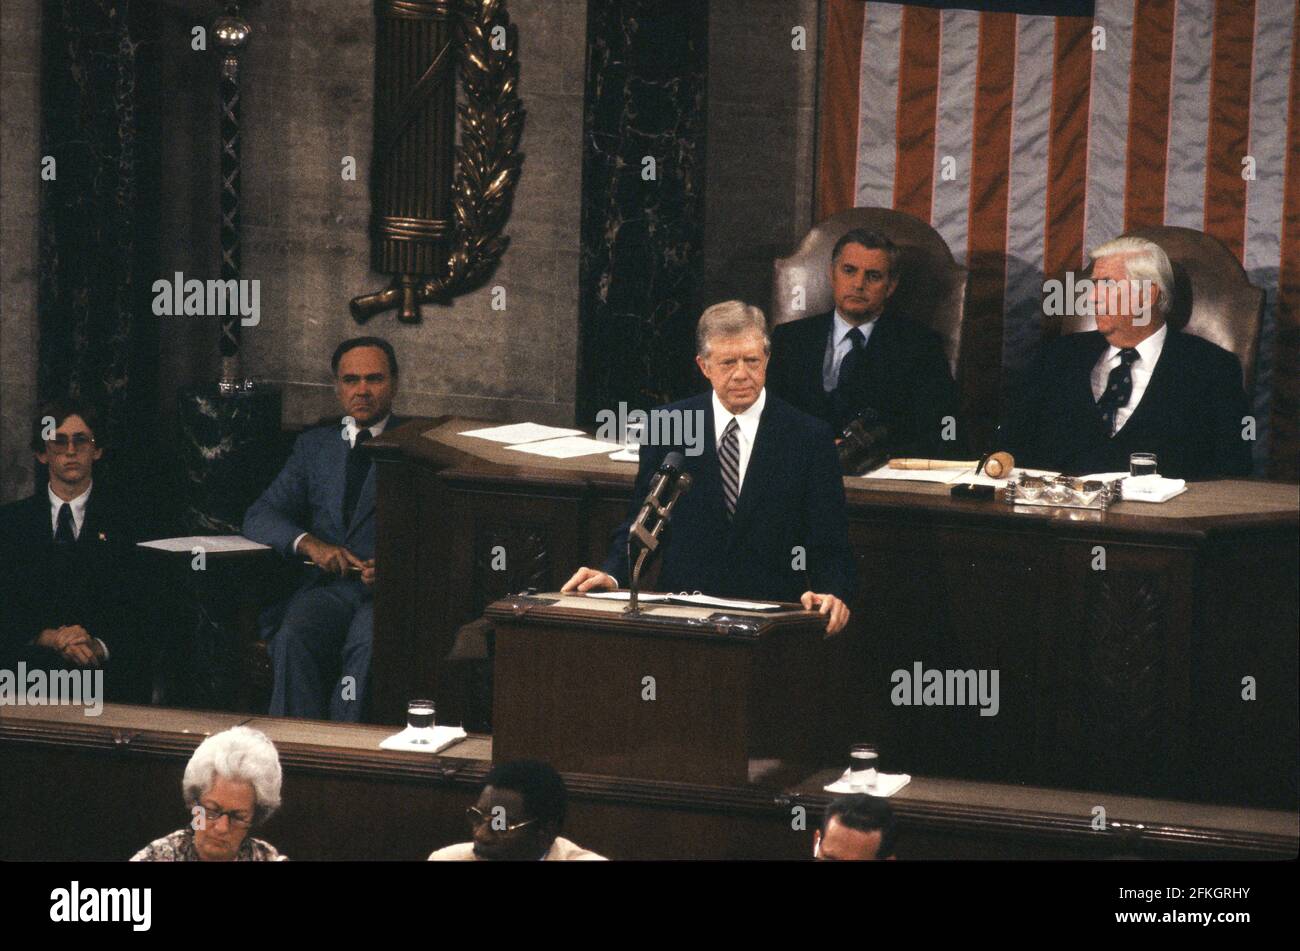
x,y
729,465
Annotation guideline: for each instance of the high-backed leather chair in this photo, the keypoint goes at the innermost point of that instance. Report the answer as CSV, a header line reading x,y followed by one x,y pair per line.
x,y
1213,297
931,286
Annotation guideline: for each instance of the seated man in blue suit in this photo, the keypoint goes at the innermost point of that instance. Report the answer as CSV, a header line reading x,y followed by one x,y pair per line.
x,y
765,518
1135,384
321,508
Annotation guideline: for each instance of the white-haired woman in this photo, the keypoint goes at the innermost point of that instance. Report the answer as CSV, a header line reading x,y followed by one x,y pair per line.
x,y
231,784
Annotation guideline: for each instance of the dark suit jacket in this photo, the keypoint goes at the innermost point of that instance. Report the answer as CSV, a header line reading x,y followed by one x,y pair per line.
x,y
793,495
906,379
1190,415
307,496
94,582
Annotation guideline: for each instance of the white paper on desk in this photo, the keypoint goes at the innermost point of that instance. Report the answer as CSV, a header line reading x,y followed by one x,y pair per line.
x,y
943,476
438,737
520,432
886,784
1152,488
950,476
210,544
566,447
700,600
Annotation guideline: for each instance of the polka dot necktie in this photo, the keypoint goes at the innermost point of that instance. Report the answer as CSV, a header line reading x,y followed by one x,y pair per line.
x,y
1119,387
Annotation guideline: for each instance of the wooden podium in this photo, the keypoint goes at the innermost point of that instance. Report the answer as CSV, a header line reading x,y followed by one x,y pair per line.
x,y
678,693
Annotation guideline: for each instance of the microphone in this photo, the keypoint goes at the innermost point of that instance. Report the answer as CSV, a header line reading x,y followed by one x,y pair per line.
x,y
863,443
669,484
669,476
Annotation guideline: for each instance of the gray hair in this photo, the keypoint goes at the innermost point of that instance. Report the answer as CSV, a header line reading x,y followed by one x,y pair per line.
x,y
731,318
240,754
1143,261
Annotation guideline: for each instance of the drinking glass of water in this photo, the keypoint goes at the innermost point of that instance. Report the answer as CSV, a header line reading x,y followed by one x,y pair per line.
x,y
633,437
863,760
1142,464
419,716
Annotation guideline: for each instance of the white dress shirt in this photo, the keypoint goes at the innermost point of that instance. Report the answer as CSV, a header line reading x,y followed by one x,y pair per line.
x,y
350,430
746,423
838,347
1148,353
78,510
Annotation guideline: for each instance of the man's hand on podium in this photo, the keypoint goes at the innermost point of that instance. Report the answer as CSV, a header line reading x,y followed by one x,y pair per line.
x,y
589,579
830,605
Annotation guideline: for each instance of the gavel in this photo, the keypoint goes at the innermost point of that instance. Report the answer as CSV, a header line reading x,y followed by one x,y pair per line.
x,y
996,465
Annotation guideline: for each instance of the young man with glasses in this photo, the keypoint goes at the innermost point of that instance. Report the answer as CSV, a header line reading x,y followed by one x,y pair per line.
x,y
517,818
65,556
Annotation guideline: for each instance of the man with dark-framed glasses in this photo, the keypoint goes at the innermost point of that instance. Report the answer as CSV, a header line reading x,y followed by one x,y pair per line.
x,y
66,557
517,818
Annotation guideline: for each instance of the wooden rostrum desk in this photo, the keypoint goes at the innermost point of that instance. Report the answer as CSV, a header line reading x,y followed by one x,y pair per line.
x,y
77,788
1125,680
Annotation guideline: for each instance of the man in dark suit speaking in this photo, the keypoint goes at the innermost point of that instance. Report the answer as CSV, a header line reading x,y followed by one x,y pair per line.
x,y
866,356
1135,384
765,518
321,508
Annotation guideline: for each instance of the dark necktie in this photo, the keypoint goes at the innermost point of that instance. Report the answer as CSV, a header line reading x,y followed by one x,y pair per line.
x,y
65,534
1119,387
358,469
849,394
729,465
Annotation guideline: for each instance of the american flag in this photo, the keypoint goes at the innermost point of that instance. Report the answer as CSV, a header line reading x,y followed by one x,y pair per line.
x,y
1027,138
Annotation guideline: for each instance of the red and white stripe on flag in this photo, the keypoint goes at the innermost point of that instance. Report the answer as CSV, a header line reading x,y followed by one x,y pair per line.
x,y
1025,140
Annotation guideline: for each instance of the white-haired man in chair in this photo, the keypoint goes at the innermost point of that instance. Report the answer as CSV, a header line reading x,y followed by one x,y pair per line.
x,y
1135,384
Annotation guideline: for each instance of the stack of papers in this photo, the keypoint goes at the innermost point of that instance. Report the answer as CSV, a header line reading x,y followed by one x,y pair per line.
x,y
520,432
210,544
566,447
550,441
965,476
699,600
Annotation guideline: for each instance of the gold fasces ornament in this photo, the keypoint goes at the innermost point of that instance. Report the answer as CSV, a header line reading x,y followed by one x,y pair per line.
x,y
433,258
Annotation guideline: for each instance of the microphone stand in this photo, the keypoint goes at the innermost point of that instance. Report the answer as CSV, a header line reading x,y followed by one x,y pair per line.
x,y
650,539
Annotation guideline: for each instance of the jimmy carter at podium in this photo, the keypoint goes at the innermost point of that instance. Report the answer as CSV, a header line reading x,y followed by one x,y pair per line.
x,y
765,517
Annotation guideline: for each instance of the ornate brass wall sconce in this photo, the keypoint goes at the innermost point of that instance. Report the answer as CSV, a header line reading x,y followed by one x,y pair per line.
x,y
438,209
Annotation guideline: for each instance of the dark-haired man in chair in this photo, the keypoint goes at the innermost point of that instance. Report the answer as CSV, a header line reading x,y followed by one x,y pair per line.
x,y
68,585
1135,384
865,356
321,508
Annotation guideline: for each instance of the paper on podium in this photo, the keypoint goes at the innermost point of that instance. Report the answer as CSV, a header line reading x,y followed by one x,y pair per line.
x,y
699,600
438,739
520,432
211,544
